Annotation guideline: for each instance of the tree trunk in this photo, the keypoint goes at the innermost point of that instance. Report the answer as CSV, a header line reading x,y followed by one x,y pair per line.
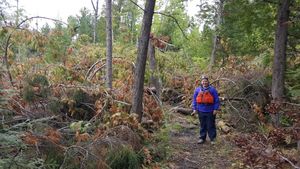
x,y
138,88
96,9
216,35
5,59
279,61
154,79
108,45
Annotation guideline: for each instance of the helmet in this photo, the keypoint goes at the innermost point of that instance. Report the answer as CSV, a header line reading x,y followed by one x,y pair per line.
x,y
204,77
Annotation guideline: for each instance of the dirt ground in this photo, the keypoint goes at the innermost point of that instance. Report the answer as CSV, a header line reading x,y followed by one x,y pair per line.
x,y
187,154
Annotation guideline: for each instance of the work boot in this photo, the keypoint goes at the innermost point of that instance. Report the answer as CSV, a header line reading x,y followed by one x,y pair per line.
x,y
200,141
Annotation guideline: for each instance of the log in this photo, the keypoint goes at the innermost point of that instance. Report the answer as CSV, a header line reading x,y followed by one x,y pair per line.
x,y
223,127
184,111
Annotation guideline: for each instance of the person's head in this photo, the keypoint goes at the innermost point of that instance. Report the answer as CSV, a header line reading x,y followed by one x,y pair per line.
x,y
204,81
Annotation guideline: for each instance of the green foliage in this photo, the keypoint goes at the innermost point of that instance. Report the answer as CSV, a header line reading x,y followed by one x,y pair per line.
x,y
79,96
123,158
253,31
59,41
293,87
83,40
124,24
55,106
60,74
72,25
39,80
28,94
285,121
35,87
80,126
85,22
45,30
78,105
101,34
11,144
160,149
199,46
167,26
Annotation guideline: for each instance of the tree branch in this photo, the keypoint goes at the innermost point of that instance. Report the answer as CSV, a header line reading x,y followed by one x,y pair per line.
x,y
38,17
164,15
93,5
175,22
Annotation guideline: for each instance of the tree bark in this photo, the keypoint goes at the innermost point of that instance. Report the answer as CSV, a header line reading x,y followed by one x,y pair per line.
x,y
279,62
154,79
108,45
139,76
5,59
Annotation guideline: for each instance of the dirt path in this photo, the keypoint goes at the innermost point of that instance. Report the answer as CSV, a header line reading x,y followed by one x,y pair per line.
x,y
187,154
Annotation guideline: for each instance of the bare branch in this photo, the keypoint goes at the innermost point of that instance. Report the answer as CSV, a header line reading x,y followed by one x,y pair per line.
x,y
164,15
175,22
287,160
38,17
93,5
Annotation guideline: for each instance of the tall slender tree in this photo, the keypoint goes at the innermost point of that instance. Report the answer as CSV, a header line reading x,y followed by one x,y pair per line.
x,y
216,38
96,10
139,76
279,63
108,45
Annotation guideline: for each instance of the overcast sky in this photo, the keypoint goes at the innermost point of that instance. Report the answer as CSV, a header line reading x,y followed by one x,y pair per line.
x,y
57,9
62,9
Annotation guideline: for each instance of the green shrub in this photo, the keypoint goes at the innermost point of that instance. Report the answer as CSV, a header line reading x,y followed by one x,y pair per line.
x,y
55,106
80,96
124,158
35,87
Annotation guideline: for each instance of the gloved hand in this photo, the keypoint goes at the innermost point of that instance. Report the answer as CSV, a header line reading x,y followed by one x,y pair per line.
x,y
194,112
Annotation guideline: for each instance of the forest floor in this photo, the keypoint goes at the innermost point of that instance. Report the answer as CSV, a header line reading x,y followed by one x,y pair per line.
x,y
187,154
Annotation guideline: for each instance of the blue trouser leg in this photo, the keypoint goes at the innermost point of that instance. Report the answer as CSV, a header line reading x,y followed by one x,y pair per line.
x,y
203,125
207,125
211,125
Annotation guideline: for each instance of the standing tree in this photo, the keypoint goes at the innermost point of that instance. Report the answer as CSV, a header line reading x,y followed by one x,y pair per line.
x,y
154,79
108,45
139,76
279,63
117,8
96,9
216,38
85,22
125,20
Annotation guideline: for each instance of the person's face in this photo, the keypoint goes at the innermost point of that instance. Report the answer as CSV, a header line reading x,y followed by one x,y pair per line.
x,y
204,82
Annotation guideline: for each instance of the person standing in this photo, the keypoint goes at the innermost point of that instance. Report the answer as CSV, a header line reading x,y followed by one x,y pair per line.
x,y
205,103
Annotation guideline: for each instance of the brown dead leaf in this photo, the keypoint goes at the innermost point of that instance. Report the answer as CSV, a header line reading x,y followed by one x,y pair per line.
x,y
29,138
53,135
81,137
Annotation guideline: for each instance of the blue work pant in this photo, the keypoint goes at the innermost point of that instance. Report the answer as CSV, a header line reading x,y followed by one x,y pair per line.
x,y
207,125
